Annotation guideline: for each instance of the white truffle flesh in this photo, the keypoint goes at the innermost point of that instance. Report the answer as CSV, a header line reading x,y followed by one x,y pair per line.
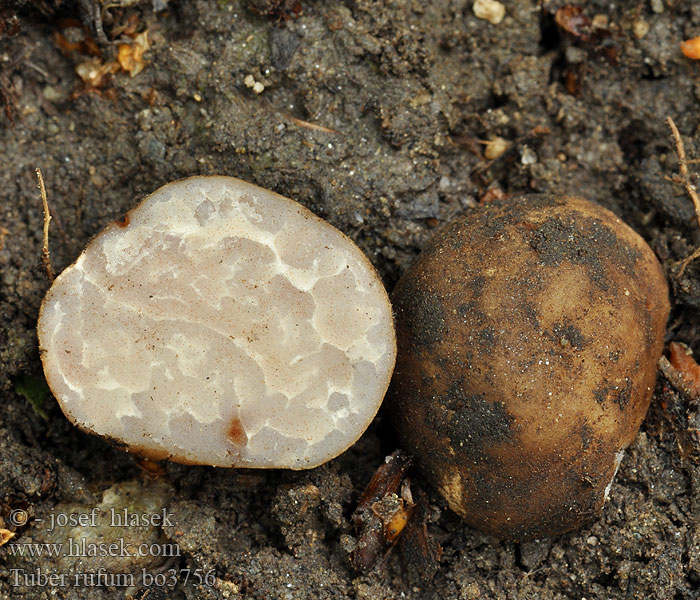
x,y
220,323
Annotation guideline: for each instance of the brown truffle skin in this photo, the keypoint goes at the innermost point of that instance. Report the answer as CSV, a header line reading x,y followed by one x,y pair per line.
x,y
528,335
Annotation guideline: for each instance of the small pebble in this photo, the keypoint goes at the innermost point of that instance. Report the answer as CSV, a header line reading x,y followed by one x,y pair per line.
x,y
600,22
528,156
489,10
640,28
495,148
256,86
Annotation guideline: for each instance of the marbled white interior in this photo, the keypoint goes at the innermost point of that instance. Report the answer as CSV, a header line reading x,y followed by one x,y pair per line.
x,y
222,324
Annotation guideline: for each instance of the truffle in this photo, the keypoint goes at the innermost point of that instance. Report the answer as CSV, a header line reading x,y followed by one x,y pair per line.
x,y
219,323
528,335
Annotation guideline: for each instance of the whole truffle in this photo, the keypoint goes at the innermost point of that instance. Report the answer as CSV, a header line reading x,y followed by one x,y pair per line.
x,y
528,334
219,323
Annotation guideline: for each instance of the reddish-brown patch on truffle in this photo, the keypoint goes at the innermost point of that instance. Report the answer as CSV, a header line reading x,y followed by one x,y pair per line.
x,y
124,221
236,433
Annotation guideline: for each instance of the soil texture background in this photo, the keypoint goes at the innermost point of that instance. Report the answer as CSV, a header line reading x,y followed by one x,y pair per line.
x,y
376,115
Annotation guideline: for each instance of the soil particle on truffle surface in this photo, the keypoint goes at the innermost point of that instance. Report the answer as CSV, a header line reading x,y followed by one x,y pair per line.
x,y
374,115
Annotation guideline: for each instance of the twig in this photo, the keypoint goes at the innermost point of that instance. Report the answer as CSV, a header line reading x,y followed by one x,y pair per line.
x,y
683,167
687,184
687,260
675,378
314,126
47,219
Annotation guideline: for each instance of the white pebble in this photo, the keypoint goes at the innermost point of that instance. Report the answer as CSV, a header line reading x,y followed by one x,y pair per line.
x,y
490,10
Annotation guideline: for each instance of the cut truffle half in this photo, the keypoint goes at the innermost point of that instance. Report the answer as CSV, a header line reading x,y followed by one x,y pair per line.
x,y
220,323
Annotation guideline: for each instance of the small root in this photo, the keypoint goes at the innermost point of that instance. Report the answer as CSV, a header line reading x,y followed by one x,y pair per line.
x,y
46,258
684,180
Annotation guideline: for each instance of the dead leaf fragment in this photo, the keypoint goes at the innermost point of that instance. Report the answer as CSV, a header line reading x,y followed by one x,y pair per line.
x,y
691,48
5,536
130,56
573,20
381,514
682,360
93,71
420,551
74,37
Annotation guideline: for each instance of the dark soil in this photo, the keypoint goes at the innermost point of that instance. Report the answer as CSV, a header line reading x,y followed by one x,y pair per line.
x,y
373,115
